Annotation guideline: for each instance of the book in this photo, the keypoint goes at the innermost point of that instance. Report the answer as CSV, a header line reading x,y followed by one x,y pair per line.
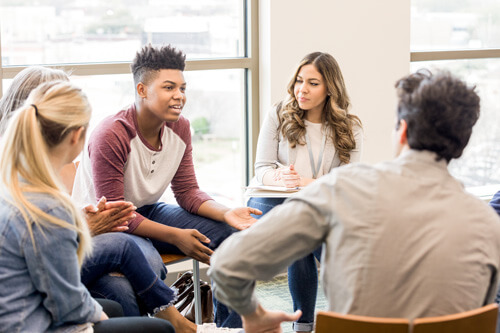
x,y
273,188
267,191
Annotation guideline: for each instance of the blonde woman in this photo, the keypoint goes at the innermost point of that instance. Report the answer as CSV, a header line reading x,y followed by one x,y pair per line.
x,y
109,216
104,220
309,133
44,238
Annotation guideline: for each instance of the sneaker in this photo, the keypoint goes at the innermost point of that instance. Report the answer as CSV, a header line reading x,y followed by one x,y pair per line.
x,y
212,328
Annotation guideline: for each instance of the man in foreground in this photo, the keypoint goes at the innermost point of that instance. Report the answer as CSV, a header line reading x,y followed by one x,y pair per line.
x,y
401,238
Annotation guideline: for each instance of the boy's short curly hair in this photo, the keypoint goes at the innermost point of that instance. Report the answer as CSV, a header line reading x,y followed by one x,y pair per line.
x,y
150,59
440,111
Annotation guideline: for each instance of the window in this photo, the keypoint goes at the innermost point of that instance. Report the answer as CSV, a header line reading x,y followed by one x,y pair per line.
x,y
464,38
95,40
54,32
454,25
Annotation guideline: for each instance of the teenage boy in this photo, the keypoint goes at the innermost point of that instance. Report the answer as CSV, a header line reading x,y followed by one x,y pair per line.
x,y
135,154
401,238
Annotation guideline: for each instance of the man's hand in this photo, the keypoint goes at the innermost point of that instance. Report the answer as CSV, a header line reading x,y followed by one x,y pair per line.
x,y
109,216
189,241
267,321
240,217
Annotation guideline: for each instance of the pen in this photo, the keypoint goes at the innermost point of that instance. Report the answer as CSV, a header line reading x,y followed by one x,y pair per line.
x,y
284,166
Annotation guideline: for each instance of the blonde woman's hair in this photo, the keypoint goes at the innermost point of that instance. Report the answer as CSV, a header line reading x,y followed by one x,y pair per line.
x,y
336,119
22,85
50,113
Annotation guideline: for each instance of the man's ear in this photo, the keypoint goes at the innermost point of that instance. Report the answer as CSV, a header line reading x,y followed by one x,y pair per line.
x,y
141,90
402,132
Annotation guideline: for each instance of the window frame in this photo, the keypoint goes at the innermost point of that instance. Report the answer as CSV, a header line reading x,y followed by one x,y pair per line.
x,y
416,56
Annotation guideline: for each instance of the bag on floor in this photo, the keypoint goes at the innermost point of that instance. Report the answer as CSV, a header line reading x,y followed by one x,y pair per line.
x,y
185,302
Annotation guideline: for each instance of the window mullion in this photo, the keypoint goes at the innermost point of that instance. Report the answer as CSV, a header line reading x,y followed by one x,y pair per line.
x,y
124,67
454,55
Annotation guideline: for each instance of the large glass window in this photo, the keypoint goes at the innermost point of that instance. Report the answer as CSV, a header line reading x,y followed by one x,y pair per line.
x,y
54,31
454,24
213,101
91,38
464,38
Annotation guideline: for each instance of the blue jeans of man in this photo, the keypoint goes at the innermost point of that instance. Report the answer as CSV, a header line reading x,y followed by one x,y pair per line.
x,y
217,232
302,274
143,265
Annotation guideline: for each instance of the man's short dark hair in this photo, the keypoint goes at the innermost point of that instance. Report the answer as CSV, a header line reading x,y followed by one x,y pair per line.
x,y
150,59
440,111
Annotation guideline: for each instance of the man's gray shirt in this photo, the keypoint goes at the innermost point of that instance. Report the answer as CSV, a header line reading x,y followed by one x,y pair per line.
x,y
401,239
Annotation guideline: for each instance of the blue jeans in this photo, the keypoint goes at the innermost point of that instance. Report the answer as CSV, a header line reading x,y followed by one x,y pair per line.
x,y
217,232
302,274
141,284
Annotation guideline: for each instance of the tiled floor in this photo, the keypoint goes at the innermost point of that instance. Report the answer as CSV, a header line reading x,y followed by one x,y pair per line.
x,y
274,295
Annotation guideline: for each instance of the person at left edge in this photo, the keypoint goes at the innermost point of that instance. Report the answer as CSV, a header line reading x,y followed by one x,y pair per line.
x,y
43,236
106,220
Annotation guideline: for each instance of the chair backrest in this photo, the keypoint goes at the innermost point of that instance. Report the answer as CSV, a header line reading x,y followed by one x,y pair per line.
x,y
345,323
481,320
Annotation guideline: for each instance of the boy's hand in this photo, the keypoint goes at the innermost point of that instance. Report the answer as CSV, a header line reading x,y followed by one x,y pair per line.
x,y
240,217
189,241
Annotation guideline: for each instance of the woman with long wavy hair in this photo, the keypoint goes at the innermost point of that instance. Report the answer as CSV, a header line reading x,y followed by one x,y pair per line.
x,y
308,134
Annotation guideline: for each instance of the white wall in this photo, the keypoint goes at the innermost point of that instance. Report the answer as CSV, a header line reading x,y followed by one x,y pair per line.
x,y
370,40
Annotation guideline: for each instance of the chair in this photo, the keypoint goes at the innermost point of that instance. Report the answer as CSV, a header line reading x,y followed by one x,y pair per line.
x,y
481,320
327,322
174,258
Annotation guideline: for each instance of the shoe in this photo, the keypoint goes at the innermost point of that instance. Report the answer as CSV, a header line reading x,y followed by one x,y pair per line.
x,y
212,328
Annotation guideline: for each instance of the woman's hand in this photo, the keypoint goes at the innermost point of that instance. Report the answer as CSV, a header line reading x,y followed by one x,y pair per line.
x,y
287,176
109,216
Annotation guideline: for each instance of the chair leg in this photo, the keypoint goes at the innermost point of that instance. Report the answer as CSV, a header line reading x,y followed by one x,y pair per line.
x,y
197,294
